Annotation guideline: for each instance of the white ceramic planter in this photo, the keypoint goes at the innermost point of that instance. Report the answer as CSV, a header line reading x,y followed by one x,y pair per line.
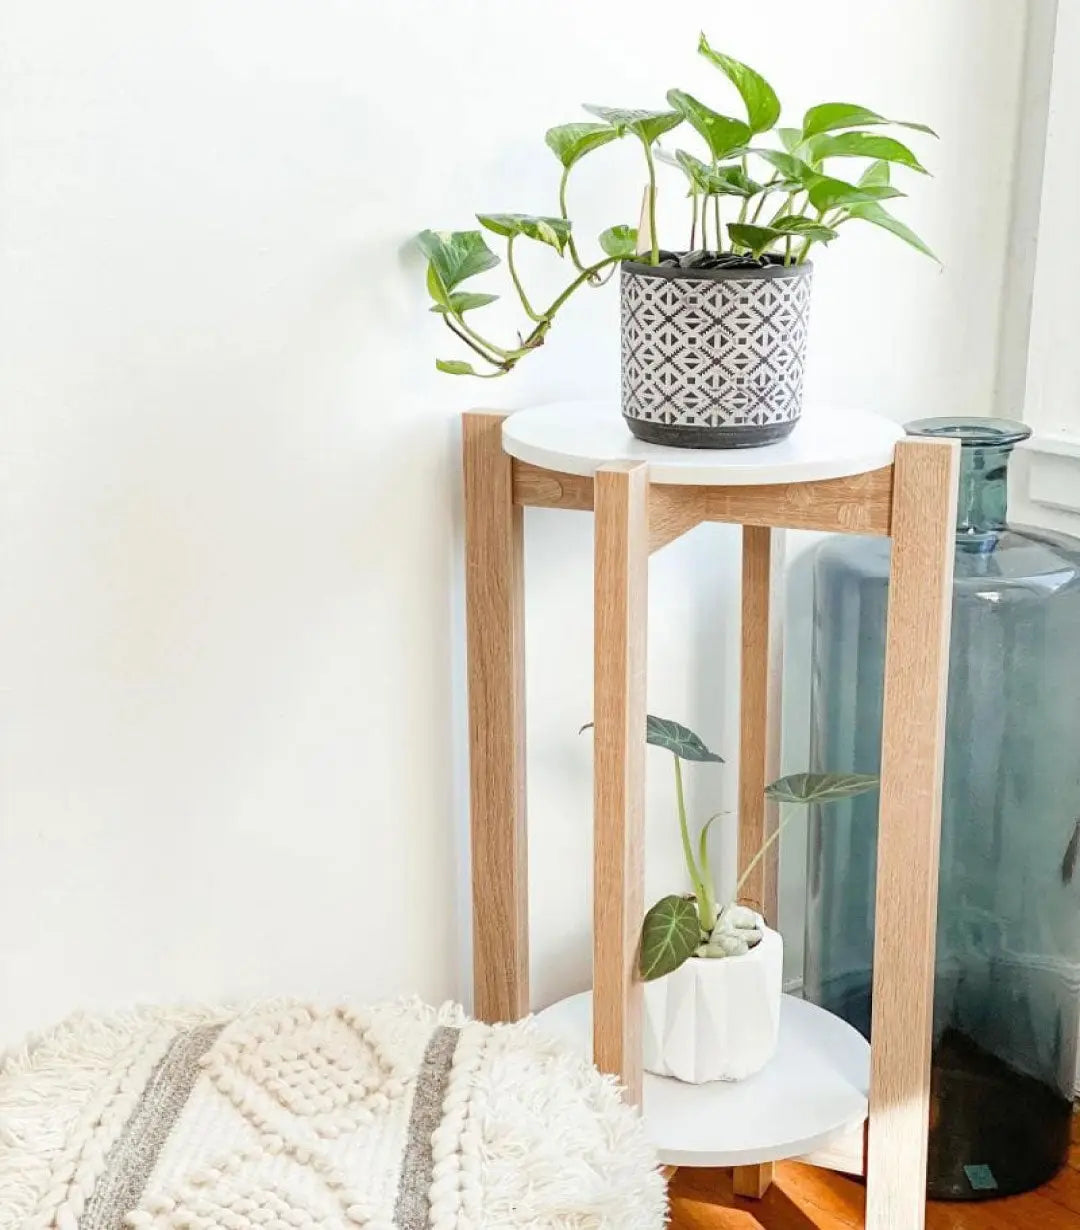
x,y
716,1019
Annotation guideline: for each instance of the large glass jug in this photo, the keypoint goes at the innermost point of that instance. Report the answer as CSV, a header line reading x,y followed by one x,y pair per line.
x,y
1007,977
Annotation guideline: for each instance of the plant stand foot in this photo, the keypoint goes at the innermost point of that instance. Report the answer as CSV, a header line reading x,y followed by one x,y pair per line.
x,y
752,1182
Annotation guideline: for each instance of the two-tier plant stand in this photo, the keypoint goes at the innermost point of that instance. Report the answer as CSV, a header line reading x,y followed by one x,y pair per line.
x,y
851,473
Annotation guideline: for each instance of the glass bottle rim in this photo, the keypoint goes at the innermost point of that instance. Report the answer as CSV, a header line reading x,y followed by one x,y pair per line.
x,y
971,431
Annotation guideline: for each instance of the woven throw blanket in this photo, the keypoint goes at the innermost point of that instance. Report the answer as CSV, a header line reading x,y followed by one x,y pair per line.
x,y
286,1115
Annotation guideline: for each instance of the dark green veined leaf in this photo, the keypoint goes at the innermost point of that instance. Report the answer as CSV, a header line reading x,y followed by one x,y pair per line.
x,y
552,231
872,212
647,125
828,116
762,105
863,145
829,193
669,935
620,241
569,142
661,732
804,228
461,301
790,138
453,256
820,787
722,134
877,175
757,238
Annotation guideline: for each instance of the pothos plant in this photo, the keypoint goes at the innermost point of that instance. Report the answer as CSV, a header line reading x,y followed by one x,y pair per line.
x,y
682,926
750,203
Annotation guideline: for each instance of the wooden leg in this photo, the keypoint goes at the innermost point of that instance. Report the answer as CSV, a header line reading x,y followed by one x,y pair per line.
x,y
494,614
913,743
752,1181
759,747
621,607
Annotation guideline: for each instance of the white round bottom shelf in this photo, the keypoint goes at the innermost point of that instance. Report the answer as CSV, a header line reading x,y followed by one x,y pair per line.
x,y
813,1091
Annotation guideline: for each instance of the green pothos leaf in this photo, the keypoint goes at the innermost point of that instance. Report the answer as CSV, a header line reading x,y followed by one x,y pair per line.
x,y
553,231
461,301
569,142
620,241
790,138
828,193
714,181
454,256
646,125
863,145
804,228
662,732
762,105
456,367
828,116
757,238
669,935
877,175
722,134
874,213
820,787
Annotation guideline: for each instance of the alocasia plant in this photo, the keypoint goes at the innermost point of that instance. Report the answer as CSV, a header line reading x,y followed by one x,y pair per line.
x,y
678,926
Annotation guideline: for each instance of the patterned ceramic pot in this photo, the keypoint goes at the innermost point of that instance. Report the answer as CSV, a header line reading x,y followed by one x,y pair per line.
x,y
713,358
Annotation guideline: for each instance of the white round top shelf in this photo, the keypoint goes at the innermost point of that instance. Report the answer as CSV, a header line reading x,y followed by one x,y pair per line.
x,y
579,437
813,1091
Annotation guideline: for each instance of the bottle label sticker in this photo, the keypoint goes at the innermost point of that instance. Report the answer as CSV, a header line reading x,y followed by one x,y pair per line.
x,y
981,1178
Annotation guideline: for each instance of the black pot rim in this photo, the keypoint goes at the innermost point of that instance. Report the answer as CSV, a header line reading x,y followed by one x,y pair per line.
x,y
675,274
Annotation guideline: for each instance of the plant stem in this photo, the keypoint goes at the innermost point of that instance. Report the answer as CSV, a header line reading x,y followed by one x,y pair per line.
x,y
517,281
716,219
570,245
688,850
764,196
773,837
807,242
655,254
499,350
504,366
588,272
693,218
746,200
784,209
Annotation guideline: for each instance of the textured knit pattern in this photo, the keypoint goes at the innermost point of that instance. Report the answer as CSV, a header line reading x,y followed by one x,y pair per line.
x,y
397,1117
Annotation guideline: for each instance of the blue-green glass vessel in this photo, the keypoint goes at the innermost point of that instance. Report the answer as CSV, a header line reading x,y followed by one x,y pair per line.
x,y
1007,975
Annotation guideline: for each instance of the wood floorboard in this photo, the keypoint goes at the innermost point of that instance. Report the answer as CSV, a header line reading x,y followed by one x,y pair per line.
x,y
806,1198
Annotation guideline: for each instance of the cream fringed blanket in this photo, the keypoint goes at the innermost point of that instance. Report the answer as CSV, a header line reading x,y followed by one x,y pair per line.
x,y
284,1116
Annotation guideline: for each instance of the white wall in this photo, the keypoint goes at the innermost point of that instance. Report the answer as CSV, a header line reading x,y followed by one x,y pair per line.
x,y
230,628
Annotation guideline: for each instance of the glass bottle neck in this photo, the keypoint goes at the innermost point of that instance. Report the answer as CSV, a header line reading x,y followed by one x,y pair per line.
x,y
985,448
982,502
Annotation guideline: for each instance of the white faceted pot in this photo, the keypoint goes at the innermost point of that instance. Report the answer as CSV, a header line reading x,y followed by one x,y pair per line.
x,y
716,1018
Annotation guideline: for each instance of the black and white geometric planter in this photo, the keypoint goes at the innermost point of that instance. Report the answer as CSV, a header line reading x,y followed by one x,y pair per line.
x,y
713,358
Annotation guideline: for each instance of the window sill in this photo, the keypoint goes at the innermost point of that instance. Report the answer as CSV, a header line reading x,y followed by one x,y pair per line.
x,y
1053,471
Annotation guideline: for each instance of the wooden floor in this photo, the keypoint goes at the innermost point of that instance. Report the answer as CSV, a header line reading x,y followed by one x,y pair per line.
x,y
804,1198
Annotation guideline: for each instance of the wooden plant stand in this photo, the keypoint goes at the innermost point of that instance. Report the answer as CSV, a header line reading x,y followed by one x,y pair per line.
x,y
851,473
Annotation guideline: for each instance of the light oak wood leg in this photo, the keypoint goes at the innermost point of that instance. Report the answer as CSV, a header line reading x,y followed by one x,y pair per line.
x,y
759,747
495,636
621,607
913,745
752,1182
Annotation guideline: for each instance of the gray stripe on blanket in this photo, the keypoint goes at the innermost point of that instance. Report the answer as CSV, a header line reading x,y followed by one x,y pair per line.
x,y
134,1154
412,1207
